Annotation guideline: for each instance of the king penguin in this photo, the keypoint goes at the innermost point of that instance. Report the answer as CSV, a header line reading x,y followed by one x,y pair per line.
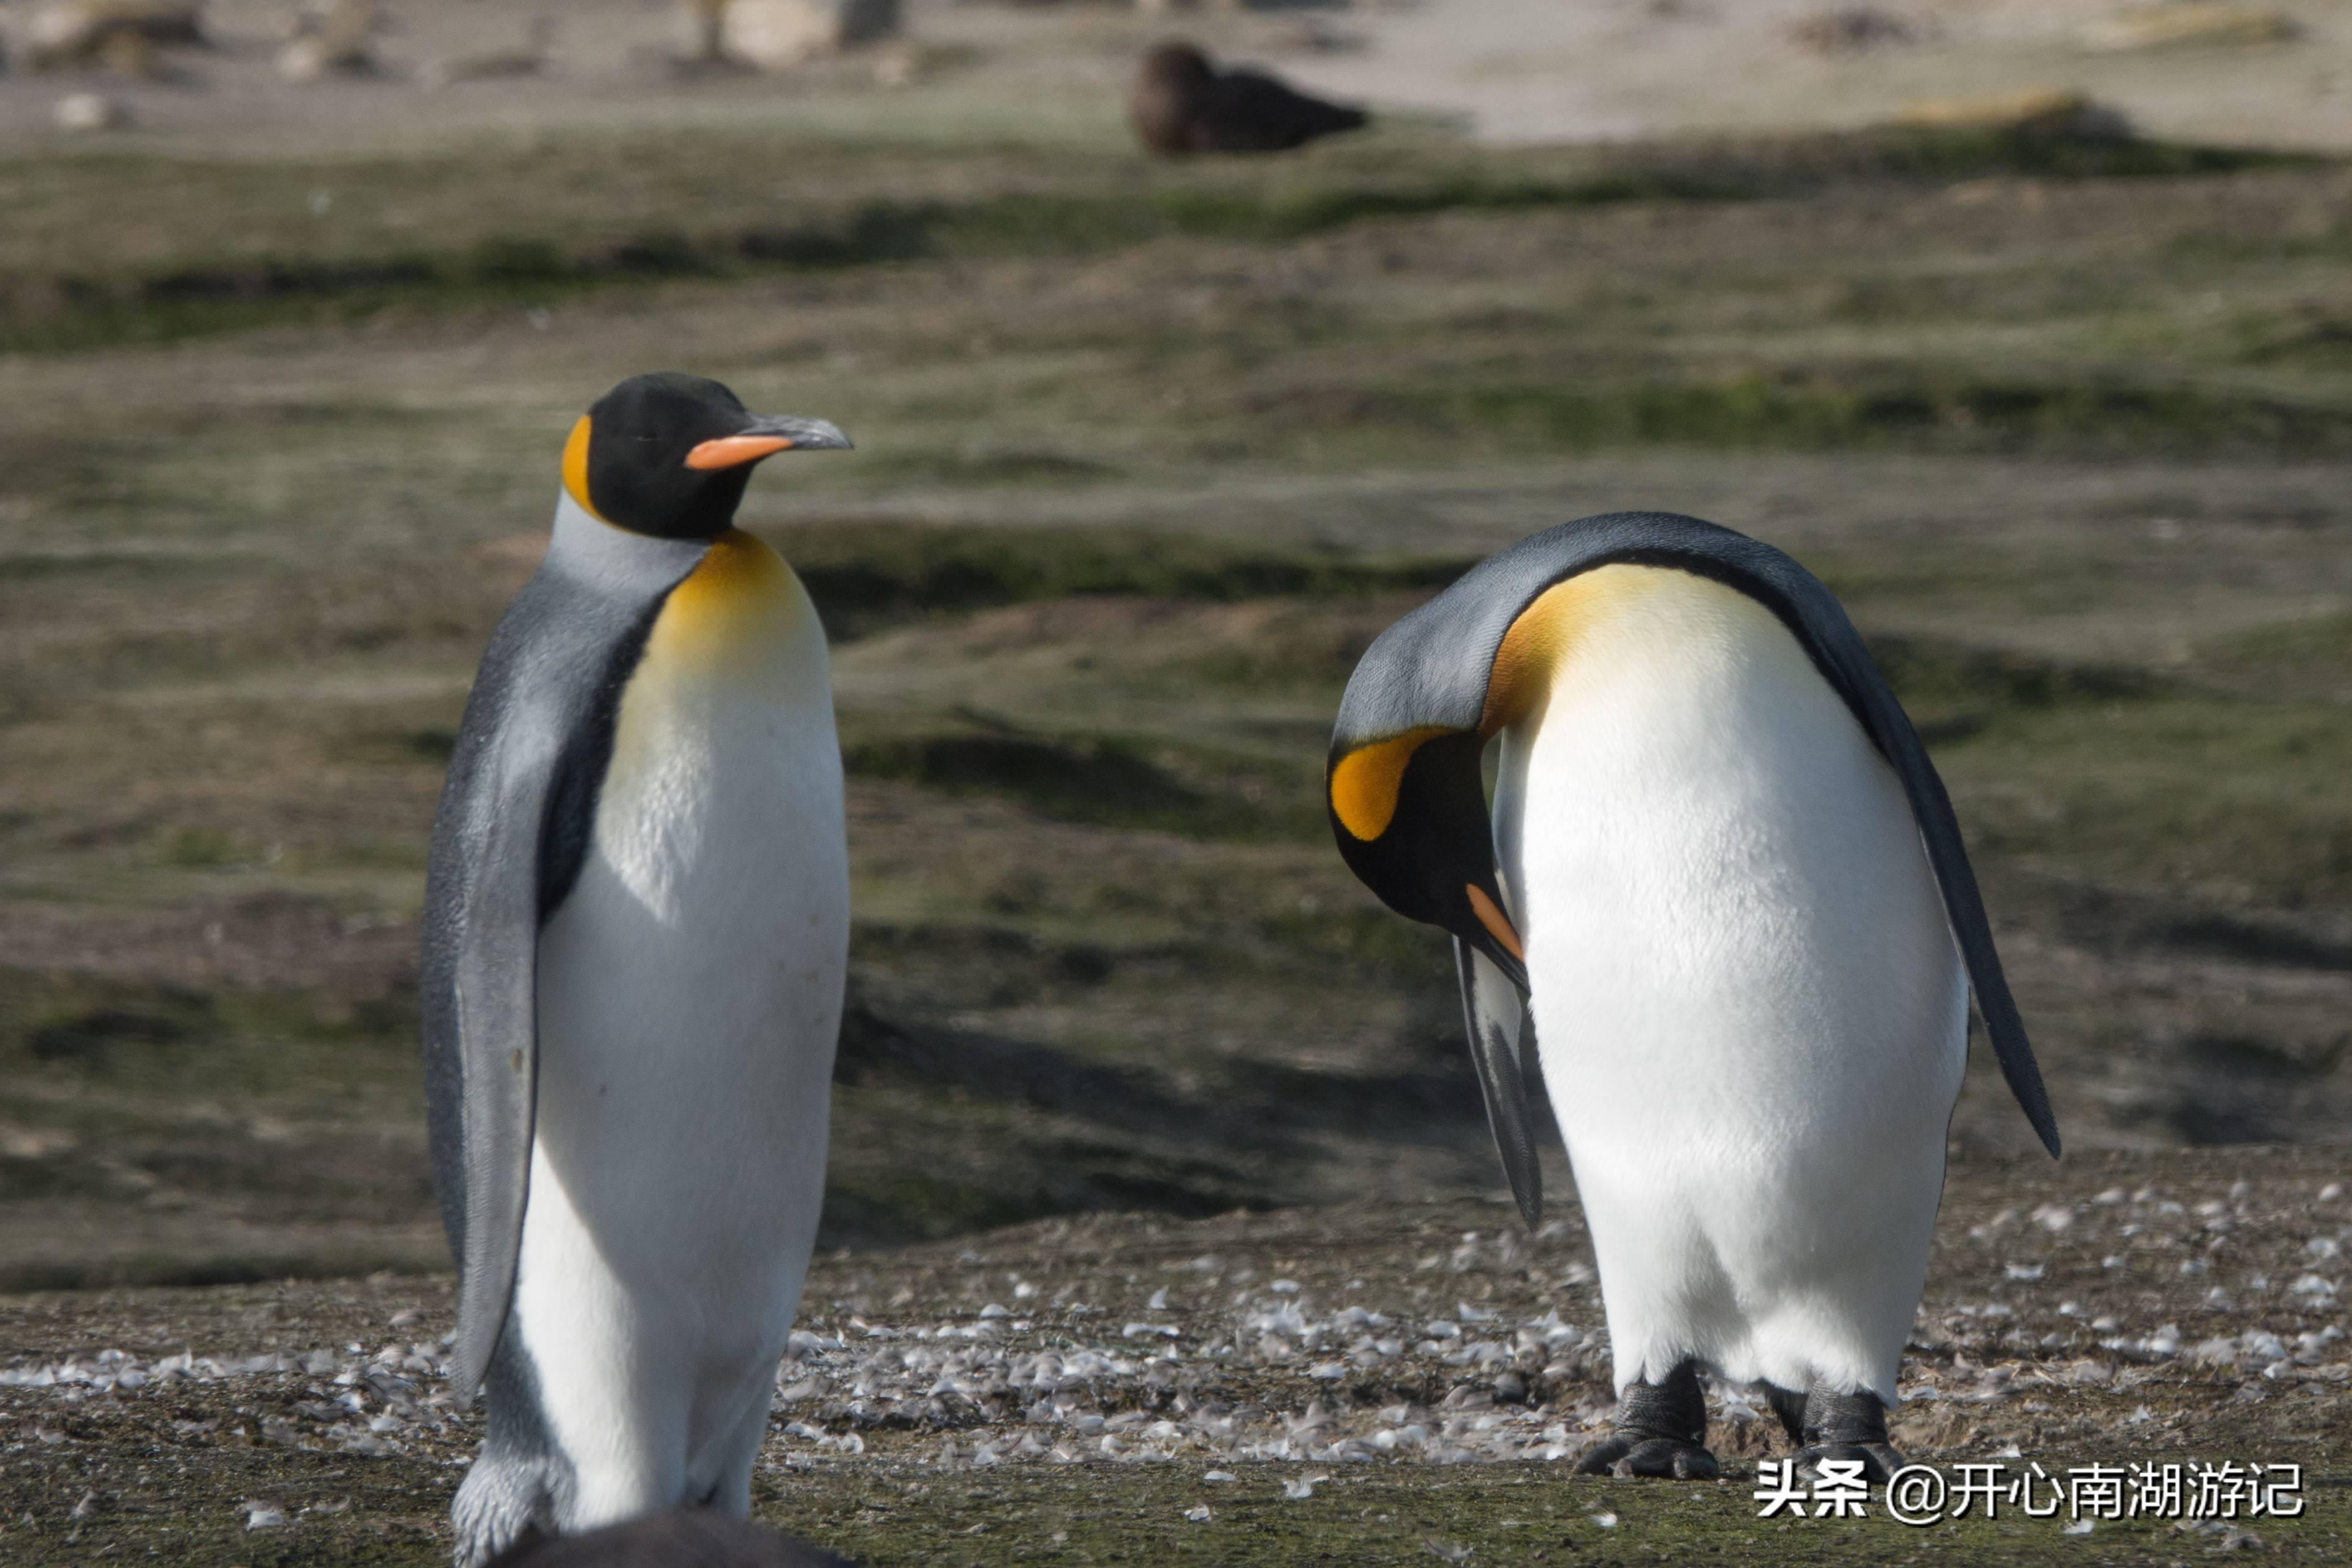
x,y
635,932
1722,883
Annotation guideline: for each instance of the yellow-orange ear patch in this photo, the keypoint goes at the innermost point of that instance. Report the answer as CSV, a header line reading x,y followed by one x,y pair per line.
x,y
1364,783
575,469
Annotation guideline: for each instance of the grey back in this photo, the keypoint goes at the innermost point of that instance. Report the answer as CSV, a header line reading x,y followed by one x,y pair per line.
x,y
517,813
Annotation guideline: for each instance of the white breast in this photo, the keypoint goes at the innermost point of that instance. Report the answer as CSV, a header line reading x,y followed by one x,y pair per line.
x,y
689,997
1751,1009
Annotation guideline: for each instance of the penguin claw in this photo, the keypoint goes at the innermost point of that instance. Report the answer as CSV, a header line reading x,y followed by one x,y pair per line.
x,y
1661,1428
1666,1458
1879,1460
1847,1427
1601,1457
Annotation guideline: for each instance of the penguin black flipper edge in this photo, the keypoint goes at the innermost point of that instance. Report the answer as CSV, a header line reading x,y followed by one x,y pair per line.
x,y
513,826
1407,801
1821,625
1494,1015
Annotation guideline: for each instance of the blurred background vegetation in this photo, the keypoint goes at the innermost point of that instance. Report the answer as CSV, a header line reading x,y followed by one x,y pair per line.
x,y
2055,390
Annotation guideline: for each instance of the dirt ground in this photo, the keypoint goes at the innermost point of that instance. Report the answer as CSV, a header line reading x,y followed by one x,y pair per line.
x,y
1364,1383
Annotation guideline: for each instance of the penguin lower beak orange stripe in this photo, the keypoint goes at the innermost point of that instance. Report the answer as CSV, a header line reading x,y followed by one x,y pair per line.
x,y
734,451
1498,925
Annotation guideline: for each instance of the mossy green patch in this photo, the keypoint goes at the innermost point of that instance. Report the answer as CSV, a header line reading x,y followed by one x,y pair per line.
x,y
1081,779
2309,657
2172,792
1105,780
863,577
1857,408
153,1031
1952,690
290,269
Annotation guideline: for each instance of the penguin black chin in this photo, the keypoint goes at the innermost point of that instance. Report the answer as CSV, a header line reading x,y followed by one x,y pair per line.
x,y
709,508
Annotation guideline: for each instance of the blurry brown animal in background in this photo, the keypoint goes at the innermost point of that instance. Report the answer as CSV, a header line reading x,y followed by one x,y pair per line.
x,y
122,34
680,1538
1181,103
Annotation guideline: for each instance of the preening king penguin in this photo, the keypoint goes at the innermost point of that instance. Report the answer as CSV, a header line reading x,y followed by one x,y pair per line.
x,y
636,928
1724,879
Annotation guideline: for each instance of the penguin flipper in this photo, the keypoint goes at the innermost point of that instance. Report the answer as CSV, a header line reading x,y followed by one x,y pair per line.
x,y
1837,648
1501,1049
485,1094
1964,906
516,816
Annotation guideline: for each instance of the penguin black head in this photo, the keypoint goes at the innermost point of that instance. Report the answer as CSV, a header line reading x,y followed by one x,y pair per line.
x,y
668,455
1409,811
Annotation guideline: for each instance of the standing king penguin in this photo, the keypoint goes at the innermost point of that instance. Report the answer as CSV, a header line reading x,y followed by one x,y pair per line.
x,y
1723,876
636,928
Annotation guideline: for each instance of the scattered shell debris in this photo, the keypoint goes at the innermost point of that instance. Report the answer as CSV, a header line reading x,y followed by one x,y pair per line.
x,y
1437,1359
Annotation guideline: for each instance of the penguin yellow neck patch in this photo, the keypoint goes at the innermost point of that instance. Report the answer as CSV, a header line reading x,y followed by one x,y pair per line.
x,y
1365,781
1547,633
575,471
738,598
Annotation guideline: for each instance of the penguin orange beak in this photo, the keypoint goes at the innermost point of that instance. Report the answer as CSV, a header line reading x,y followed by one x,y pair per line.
x,y
734,451
1498,924
767,435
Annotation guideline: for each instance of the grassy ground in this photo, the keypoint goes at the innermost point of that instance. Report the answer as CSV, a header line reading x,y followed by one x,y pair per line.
x,y
1146,457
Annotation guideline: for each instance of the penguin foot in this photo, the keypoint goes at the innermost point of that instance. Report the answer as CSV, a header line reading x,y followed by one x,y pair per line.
x,y
1789,1404
1667,1457
1661,1431
505,1502
1879,1460
1847,1427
